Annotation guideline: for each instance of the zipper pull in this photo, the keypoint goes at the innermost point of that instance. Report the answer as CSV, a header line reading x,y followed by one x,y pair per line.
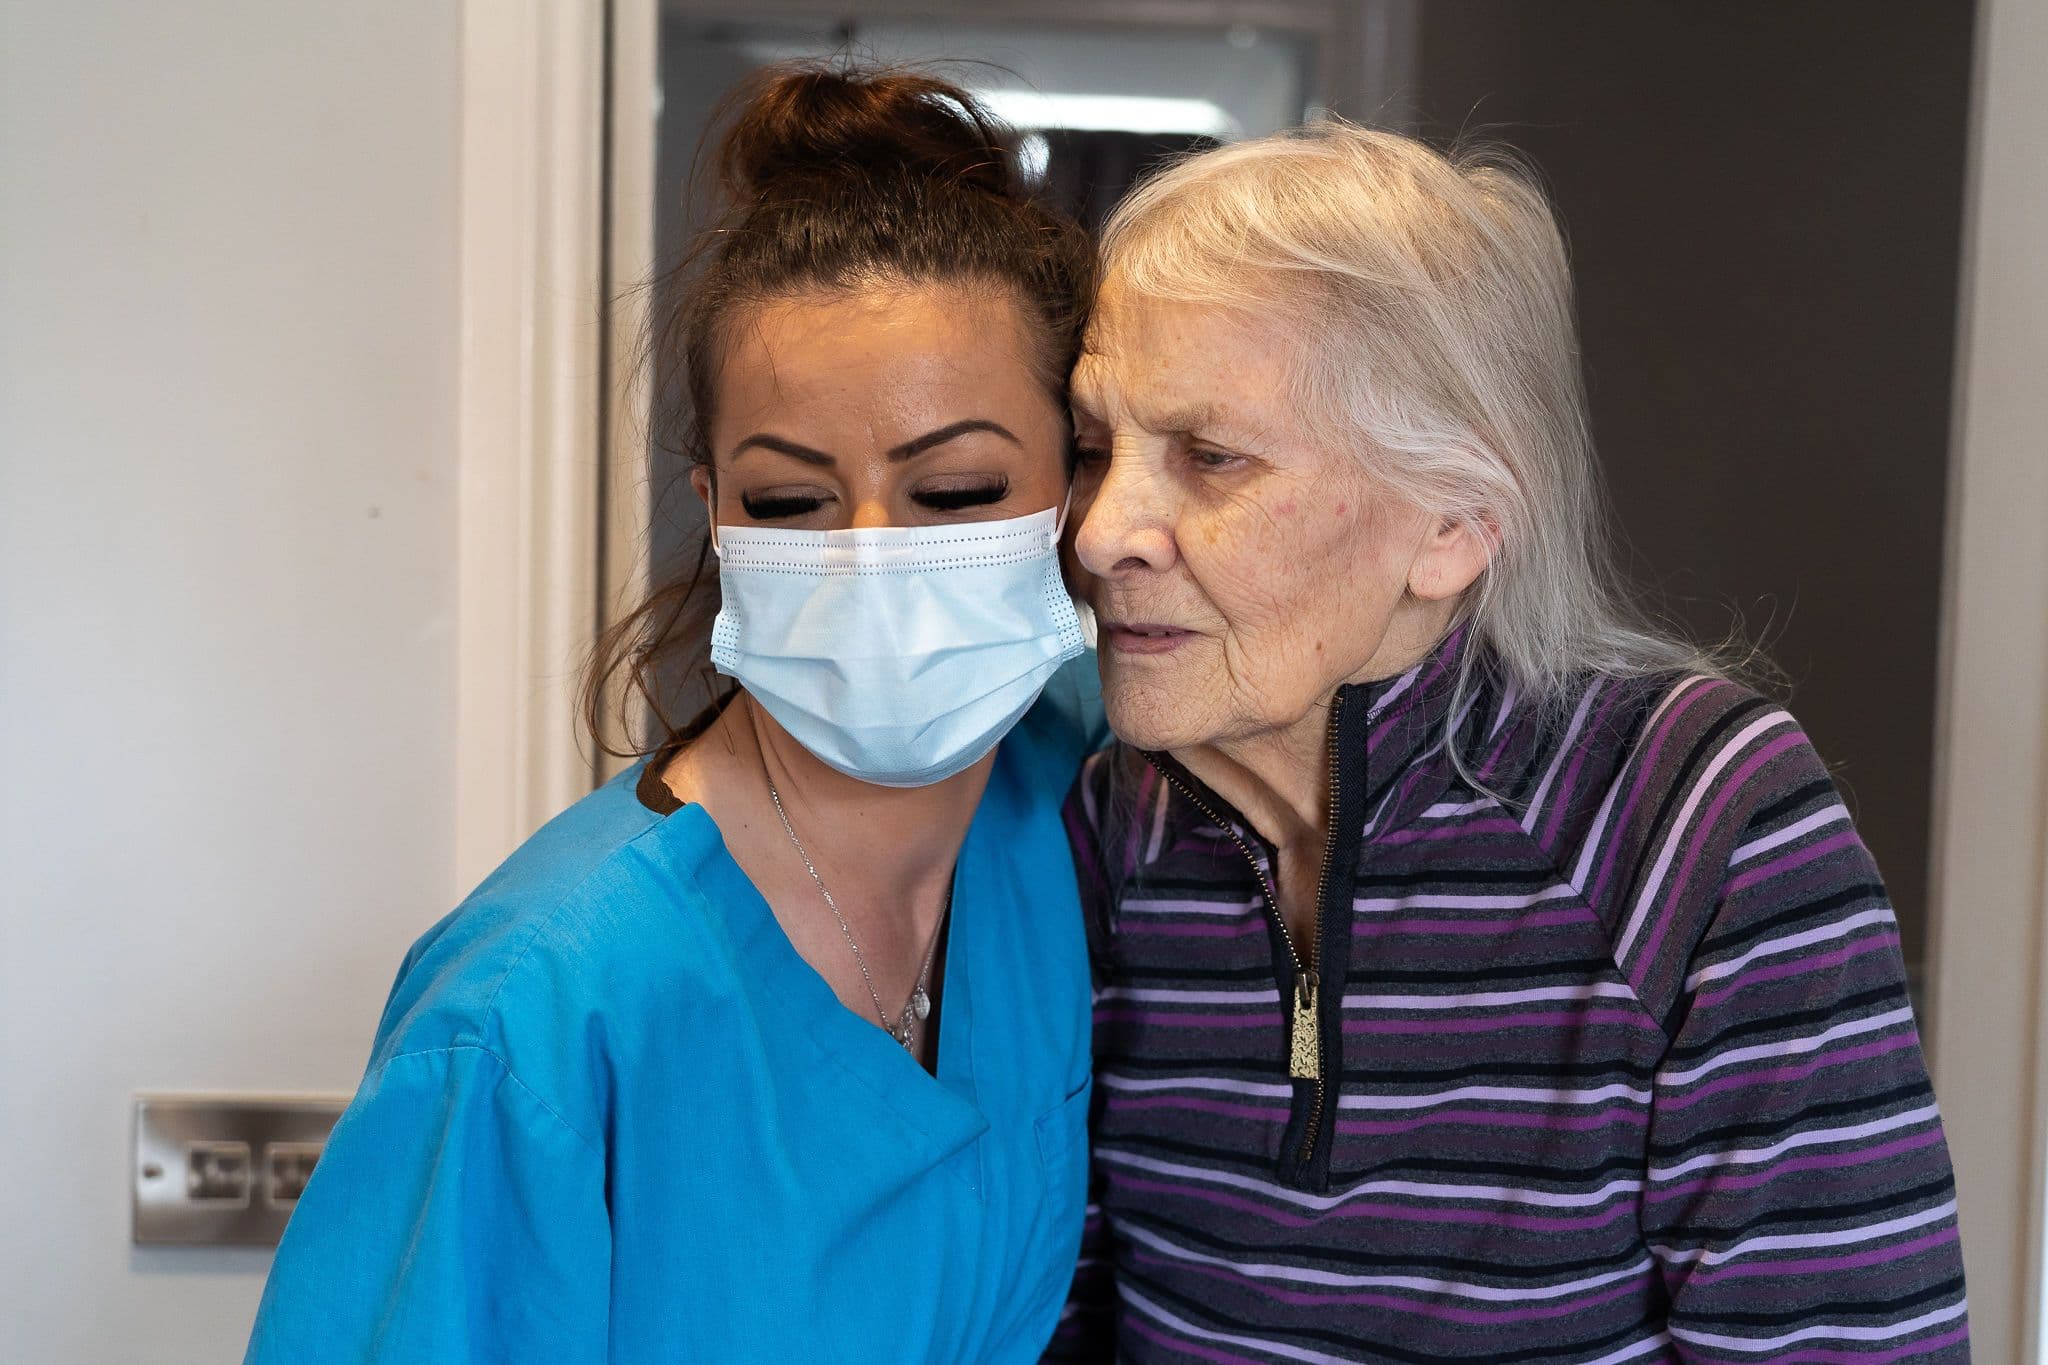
x,y
1305,1057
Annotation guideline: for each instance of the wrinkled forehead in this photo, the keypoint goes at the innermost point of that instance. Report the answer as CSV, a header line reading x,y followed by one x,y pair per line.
x,y
1173,365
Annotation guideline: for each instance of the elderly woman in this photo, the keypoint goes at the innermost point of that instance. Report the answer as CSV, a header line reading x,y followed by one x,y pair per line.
x,y
1480,974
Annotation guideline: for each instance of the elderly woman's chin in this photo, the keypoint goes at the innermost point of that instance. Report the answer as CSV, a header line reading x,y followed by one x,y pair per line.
x,y
1189,697
1157,702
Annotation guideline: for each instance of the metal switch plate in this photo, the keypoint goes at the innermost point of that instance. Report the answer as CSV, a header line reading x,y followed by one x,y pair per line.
x,y
212,1169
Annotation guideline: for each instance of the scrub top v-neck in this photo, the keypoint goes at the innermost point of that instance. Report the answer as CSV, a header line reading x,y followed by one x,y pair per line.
x,y
613,1115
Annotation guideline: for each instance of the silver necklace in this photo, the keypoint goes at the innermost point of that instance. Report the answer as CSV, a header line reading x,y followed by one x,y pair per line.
x,y
916,1009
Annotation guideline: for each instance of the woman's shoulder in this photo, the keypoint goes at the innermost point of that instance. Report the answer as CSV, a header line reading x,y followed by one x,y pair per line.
x,y
590,904
1063,727
1566,751
1647,783
1694,731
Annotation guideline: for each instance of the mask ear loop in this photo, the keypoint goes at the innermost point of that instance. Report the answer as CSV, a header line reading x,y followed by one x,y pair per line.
x,y
711,517
1059,525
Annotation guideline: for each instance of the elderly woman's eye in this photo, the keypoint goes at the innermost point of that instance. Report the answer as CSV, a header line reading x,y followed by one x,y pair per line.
x,y
1085,454
1212,459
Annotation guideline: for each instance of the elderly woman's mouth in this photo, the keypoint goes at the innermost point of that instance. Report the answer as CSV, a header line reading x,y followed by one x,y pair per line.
x,y
1142,637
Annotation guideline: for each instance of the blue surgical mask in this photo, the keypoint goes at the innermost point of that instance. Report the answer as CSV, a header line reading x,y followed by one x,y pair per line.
x,y
899,655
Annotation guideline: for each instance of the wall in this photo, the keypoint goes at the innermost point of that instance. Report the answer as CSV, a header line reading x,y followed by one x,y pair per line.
x,y
1990,918
228,331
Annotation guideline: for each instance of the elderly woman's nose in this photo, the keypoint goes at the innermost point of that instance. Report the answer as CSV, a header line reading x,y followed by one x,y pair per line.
x,y
1126,525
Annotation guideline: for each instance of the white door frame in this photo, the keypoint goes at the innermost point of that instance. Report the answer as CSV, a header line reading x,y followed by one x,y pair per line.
x,y
1990,866
532,215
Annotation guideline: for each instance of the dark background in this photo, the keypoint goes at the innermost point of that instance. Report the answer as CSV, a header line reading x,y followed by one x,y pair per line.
x,y
1764,206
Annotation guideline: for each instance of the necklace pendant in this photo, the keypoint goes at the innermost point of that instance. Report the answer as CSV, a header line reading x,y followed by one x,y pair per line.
x,y
920,1004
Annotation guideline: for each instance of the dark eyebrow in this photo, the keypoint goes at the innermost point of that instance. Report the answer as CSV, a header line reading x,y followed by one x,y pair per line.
x,y
789,448
948,433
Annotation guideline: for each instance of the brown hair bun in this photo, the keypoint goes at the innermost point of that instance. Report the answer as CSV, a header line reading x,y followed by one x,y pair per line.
x,y
794,125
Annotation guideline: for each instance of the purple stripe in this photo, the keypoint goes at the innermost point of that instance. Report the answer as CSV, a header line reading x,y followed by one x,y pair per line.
x,y
1643,775
1182,1344
1566,1019
1861,1053
1821,1265
1525,1222
1834,844
1796,967
1833,1161
1646,955
1560,800
1382,1299
1492,759
1499,1118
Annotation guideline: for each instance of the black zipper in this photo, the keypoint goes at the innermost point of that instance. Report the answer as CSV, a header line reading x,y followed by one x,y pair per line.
x,y
1307,1050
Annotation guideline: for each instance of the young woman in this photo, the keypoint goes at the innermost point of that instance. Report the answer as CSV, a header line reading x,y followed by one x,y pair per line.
x,y
776,1047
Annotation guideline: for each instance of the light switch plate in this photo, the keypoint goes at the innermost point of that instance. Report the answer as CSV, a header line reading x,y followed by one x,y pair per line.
x,y
214,1169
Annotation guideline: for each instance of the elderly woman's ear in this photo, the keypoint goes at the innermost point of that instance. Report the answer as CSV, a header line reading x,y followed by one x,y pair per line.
x,y
1451,558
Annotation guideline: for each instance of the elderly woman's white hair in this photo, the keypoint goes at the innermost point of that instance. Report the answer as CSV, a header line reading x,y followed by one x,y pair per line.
x,y
1434,300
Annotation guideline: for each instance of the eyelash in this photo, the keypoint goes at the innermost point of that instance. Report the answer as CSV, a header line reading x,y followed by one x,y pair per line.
x,y
937,499
1085,456
778,509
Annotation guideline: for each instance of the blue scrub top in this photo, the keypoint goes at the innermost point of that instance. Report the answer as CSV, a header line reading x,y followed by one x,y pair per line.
x,y
612,1115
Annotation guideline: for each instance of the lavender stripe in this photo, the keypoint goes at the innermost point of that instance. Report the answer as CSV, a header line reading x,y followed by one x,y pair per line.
x,y
1833,1357
1470,1316
1834,1161
1827,815
1834,844
1643,770
1778,1075
1406,1213
1735,785
1797,967
1500,1118
1820,1265
1806,938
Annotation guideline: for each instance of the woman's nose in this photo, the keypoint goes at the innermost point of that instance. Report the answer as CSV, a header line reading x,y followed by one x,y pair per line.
x,y
1124,526
870,513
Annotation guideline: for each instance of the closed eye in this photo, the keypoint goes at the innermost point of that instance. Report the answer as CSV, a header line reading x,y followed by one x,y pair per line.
x,y
780,506
957,497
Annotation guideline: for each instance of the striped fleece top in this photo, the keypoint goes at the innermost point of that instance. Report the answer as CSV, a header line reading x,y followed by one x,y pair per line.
x,y
1616,1064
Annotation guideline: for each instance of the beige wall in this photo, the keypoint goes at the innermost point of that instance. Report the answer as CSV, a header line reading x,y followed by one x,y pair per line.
x,y
228,350
1991,806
